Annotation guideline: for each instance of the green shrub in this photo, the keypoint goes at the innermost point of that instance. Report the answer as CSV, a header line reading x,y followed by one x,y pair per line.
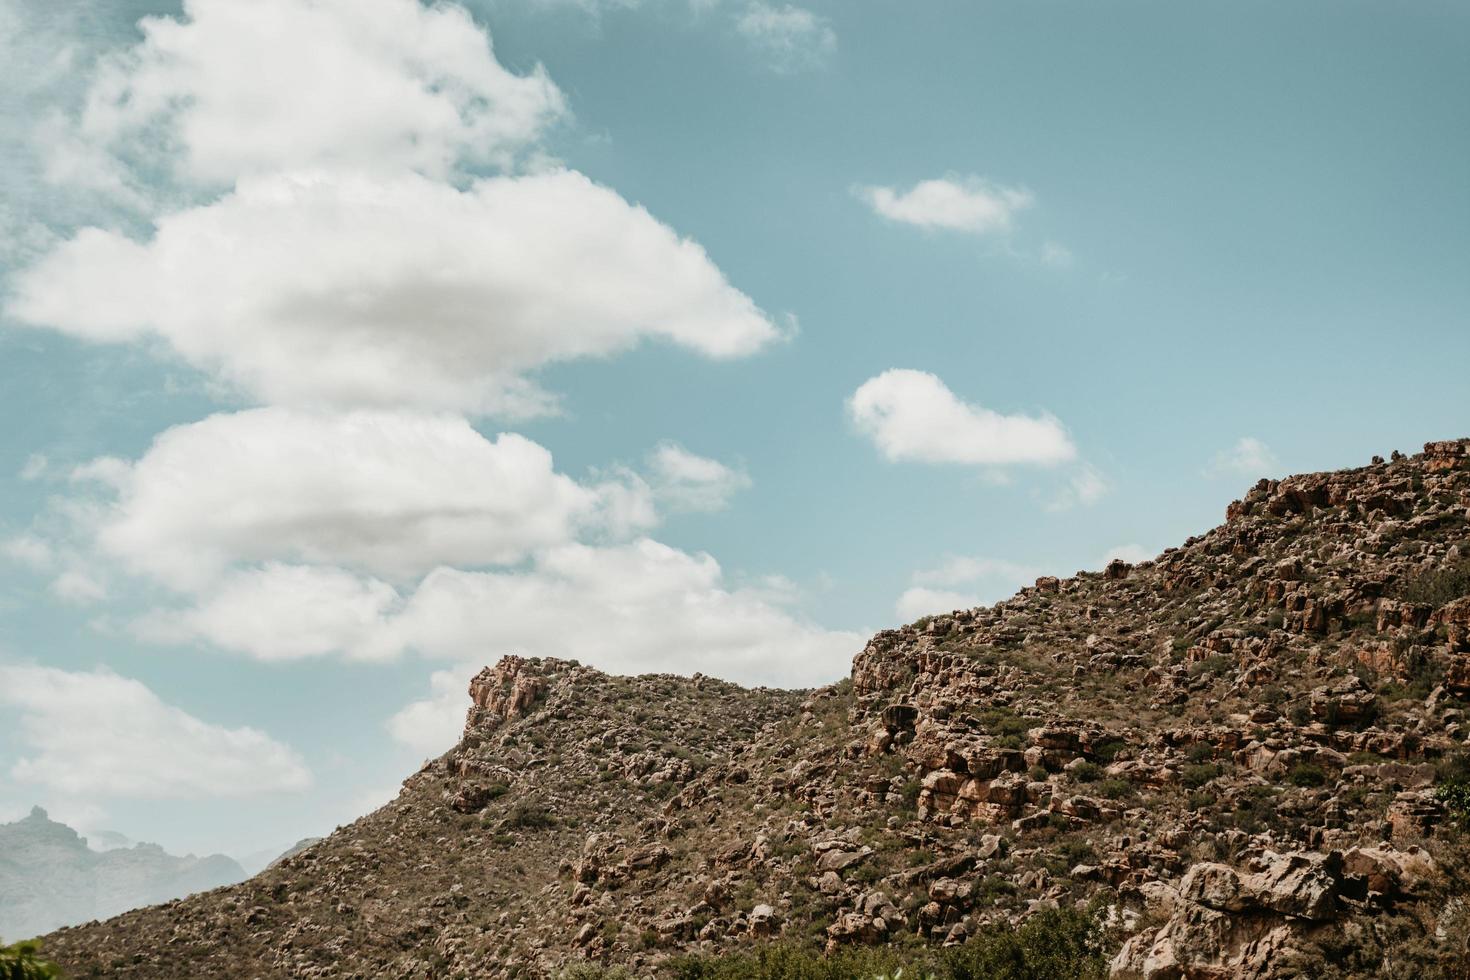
x,y
1456,799
1216,665
910,793
1438,586
1201,752
1051,945
1002,721
529,815
22,961
1196,776
1115,789
1086,772
1306,775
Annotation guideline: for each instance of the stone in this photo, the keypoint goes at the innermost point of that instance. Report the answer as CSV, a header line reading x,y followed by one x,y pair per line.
x,y
764,921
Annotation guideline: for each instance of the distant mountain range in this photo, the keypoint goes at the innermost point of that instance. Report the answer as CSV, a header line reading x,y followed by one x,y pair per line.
x,y
50,877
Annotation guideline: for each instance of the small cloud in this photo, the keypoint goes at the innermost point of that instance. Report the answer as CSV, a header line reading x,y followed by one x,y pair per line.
x,y
434,724
961,582
1131,553
913,416
78,587
1086,487
793,38
107,470
1055,255
1248,457
693,483
34,468
919,601
962,569
955,203
29,550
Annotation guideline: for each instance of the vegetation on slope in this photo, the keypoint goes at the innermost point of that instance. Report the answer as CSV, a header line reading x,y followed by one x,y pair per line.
x,y
1055,944
23,961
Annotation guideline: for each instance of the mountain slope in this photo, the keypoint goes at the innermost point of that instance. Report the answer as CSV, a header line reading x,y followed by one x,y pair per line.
x,y
1243,755
49,877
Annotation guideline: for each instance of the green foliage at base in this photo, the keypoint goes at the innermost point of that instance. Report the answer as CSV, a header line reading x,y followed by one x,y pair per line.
x,y
23,962
1456,799
1057,944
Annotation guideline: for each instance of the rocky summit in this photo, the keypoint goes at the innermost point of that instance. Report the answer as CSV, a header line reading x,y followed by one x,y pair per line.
x,y
1245,758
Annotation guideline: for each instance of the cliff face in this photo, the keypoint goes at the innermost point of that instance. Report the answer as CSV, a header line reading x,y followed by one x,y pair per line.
x,y
49,877
1237,752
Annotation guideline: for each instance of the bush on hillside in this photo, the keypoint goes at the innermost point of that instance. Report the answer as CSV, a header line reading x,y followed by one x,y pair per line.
x,y
22,961
1438,586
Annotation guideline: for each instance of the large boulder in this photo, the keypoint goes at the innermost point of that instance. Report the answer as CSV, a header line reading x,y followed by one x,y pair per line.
x,y
1225,924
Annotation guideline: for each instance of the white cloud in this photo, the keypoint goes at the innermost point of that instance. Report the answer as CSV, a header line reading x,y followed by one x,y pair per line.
x,y
35,467
1249,457
285,612
913,416
919,601
434,724
1057,255
956,203
1085,487
388,492
1131,553
29,550
78,586
96,734
690,482
635,608
642,606
988,580
793,38
962,569
234,89
325,290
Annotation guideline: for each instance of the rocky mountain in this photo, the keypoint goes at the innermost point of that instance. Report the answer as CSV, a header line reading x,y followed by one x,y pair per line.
x,y
50,877
1245,758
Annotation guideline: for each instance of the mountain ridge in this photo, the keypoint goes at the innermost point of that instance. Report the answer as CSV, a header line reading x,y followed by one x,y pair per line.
x,y
1243,753
50,877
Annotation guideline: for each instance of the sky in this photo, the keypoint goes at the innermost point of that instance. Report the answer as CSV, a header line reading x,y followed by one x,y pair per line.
x,y
347,346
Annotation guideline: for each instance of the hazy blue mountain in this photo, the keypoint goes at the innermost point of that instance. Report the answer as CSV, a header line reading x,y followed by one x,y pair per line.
x,y
50,877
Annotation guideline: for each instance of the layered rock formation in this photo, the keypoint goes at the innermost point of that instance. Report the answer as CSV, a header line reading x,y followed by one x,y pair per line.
x,y
49,877
1235,755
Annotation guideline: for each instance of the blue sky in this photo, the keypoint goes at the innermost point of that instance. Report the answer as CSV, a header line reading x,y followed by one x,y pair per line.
x,y
978,292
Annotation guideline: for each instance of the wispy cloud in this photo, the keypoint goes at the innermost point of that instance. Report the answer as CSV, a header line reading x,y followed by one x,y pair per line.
x,y
1249,457
99,734
792,38
1084,487
961,582
689,482
954,203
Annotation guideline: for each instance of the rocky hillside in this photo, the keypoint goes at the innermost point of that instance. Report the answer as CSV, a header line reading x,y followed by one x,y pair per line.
x,y
1242,759
50,877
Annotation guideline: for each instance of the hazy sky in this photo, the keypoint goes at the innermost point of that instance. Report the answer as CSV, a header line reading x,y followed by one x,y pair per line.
x,y
343,351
